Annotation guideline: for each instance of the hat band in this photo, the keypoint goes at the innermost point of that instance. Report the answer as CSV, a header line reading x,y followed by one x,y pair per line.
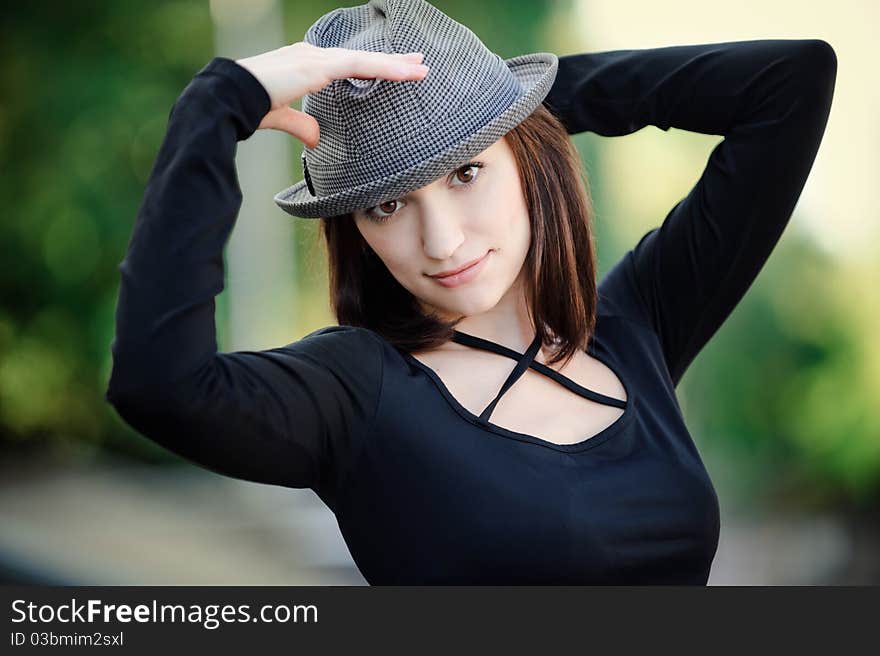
x,y
307,176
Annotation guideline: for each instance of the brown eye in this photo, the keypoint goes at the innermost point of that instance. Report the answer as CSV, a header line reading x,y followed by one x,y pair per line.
x,y
386,207
467,174
468,178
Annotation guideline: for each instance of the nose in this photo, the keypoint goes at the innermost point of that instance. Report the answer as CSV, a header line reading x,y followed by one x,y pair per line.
x,y
441,232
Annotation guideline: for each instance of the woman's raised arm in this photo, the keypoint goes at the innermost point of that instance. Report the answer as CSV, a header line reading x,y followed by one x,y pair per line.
x,y
283,416
770,100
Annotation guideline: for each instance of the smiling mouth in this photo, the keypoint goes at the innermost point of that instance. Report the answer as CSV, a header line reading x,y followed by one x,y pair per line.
x,y
448,274
465,275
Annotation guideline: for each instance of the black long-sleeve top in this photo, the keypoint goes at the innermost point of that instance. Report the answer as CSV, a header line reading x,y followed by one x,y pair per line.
x,y
423,490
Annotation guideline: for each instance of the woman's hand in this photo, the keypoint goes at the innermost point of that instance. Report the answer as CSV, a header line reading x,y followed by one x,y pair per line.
x,y
290,72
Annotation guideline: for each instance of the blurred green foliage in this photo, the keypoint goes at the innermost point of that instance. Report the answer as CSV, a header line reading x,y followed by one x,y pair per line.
x,y
785,383
87,91
779,398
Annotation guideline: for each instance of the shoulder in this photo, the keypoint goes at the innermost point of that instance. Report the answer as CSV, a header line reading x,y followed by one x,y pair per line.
x,y
341,338
337,332
351,347
347,335
618,293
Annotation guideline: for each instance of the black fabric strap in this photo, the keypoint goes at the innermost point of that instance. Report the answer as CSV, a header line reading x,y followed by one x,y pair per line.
x,y
523,363
479,342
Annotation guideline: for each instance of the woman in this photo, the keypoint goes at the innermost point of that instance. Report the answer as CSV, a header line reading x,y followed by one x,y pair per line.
x,y
564,461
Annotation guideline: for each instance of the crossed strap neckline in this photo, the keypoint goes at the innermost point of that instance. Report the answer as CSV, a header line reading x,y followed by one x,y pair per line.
x,y
524,361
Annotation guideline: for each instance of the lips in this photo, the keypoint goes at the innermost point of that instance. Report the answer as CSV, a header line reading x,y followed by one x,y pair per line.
x,y
464,275
452,272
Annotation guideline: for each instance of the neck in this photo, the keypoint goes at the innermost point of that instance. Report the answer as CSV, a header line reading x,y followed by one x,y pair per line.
x,y
508,322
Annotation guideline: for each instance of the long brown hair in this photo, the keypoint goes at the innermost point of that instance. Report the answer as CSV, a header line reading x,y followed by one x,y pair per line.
x,y
560,266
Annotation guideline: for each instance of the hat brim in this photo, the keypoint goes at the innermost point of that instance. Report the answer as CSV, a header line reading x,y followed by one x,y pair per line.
x,y
536,73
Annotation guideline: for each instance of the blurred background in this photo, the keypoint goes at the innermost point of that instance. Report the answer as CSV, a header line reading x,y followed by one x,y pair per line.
x,y
783,403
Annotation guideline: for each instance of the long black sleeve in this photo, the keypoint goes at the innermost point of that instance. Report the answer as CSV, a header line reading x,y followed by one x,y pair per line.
x,y
770,100
278,416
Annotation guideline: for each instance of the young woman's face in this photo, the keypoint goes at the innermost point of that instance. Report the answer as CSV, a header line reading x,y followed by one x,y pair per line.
x,y
476,212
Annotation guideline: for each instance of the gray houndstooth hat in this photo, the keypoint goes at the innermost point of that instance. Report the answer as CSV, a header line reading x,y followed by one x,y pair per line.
x,y
381,139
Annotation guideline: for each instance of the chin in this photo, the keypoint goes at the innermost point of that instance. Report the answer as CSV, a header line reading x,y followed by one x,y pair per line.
x,y
468,302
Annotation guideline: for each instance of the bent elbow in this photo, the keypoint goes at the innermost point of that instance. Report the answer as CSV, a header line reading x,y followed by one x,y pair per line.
x,y
816,67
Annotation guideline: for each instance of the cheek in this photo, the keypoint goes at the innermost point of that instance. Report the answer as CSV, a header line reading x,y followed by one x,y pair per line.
x,y
512,222
400,266
398,257
496,213
382,242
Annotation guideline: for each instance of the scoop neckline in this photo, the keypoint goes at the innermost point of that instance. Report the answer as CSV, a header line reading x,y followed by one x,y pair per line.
x,y
583,445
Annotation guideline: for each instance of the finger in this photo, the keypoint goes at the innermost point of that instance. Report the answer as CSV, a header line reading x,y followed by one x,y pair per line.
x,y
364,64
296,123
394,71
412,57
